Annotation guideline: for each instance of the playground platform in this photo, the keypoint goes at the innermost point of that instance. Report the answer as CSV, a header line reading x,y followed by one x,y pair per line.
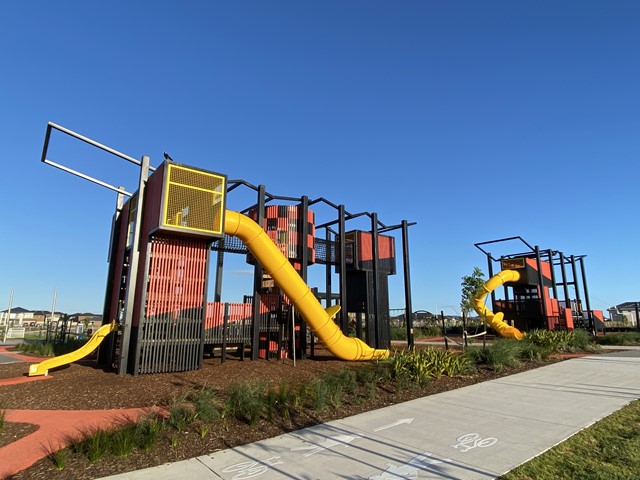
x,y
477,432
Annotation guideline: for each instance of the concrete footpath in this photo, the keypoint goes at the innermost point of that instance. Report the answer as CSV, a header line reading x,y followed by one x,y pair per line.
x,y
476,432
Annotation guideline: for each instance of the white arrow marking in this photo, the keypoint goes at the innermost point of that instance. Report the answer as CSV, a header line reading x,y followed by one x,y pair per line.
x,y
394,424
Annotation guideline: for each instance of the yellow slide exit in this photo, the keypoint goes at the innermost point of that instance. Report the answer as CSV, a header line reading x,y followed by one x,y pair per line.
x,y
42,368
495,320
285,276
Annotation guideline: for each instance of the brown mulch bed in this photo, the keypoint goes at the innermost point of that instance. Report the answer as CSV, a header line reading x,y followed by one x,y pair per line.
x,y
84,386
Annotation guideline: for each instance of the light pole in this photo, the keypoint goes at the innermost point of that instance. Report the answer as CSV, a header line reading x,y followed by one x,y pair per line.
x,y
6,320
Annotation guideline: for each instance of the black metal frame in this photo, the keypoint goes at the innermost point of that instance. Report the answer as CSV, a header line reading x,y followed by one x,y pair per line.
x,y
335,255
335,252
555,258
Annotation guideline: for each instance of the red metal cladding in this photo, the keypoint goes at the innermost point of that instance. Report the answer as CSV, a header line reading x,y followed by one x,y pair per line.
x,y
386,246
176,275
283,224
546,267
237,313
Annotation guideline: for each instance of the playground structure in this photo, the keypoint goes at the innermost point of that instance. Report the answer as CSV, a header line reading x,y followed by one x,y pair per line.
x,y
159,263
531,292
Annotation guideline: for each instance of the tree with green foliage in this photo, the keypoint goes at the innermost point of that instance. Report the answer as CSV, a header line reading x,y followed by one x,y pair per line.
x,y
471,287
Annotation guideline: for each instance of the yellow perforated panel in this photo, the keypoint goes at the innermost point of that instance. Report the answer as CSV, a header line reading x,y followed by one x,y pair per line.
x,y
194,201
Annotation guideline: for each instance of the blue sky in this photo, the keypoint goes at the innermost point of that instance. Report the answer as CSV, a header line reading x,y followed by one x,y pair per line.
x,y
477,120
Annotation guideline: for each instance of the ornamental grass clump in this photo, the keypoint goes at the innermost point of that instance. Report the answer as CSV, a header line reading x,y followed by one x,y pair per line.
x,y
421,365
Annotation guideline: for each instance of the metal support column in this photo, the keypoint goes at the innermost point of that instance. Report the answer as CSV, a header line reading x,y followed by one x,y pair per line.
x,y
105,351
553,274
407,284
543,300
376,286
592,323
565,283
127,318
257,282
304,260
217,296
344,317
576,286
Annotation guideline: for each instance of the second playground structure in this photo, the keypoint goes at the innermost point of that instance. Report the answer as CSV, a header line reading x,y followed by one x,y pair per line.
x,y
535,295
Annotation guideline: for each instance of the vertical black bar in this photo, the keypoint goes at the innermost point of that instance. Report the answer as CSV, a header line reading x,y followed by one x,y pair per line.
x,y
133,268
142,320
553,274
344,316
565,283
407,284
203,313
225,332
592,323
543,300
219,268
257,282
444,330
577,287
329,264
376,286
105,352
304,270
637,318
493,293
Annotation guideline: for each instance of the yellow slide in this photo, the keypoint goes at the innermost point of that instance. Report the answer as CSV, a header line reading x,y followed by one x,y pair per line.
x,y
495,320
42,368
285,276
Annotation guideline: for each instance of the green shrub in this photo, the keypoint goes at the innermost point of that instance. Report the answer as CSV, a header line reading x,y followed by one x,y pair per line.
x,y
205,403
557,341
147,432
39,349
59,458
123,440
419,365
581,340
619,338
502,353
245,401
93,446
181,416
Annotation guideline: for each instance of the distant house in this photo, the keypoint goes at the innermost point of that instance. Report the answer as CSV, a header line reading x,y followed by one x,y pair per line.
x,y
625,312
19,316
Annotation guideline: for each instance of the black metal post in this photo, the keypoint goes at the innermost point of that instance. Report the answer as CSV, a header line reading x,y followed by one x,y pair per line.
x,y
565,283
105,352
344,316
133,269
542,299
219,268
407,284
257,283
303,272
444,330
553,274
592,323
490,272
225,333
376,287
637,318
577,287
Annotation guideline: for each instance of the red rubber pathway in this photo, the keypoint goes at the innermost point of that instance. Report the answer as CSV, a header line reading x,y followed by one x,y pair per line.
x,y
56,428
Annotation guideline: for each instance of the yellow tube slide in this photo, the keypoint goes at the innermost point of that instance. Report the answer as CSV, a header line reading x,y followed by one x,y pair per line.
x,y
495,320
42,368
285,276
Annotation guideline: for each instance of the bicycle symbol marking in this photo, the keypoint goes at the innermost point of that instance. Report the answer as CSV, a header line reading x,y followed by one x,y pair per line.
x,y
251,469
472,440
